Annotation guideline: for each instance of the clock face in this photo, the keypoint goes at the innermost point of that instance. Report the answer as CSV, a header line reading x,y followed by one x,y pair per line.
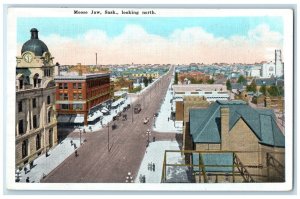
x,y
27,57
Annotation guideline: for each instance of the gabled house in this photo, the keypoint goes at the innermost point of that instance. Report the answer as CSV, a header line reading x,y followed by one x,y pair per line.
x,y
235,126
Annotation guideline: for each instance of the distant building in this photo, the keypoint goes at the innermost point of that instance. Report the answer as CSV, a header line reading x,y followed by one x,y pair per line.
x,y
273,68
211,92
81,99
36,125
252,134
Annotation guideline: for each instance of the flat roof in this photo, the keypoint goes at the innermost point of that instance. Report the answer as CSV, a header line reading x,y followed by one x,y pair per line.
x,y
75,76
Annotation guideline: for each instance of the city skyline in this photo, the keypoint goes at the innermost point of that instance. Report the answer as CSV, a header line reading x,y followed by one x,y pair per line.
x,y
157,40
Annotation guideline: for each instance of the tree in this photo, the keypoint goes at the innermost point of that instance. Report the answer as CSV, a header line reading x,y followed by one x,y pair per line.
x,y
251,87
150,80
210,81
273,90
146,81
242,80
176,78
228,85
263,89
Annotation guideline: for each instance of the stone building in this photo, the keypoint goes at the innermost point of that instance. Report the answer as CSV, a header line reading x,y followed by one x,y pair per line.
x,y
252,134
36,126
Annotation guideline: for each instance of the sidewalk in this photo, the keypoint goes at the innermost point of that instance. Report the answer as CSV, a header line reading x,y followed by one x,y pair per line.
x,y
162,123
44,165
155,154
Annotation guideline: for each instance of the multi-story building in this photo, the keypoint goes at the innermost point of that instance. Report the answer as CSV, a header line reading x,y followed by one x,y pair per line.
x,y
81,98
36,125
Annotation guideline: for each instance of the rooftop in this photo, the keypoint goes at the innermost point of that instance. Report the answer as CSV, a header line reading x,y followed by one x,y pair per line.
x,y
205,124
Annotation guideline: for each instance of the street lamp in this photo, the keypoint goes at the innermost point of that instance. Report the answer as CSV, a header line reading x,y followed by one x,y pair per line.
x,y
108,137
80,136
129,178
148,132
18,175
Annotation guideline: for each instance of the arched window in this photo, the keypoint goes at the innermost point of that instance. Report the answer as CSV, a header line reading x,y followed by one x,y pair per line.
x,y
36,80
24,148
38,141
49,116
50,137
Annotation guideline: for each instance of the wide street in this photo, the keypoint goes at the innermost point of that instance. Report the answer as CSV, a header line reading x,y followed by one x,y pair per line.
x,y
108,155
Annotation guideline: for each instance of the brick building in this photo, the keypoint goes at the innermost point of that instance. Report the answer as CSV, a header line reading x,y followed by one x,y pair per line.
x,y
36,125
81,99
252,134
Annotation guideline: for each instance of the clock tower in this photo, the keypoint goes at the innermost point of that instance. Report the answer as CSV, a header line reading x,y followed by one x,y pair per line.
x,y
36,125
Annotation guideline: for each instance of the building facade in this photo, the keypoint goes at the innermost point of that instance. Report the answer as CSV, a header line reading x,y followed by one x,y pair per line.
x,y
80,98
273,68
36,125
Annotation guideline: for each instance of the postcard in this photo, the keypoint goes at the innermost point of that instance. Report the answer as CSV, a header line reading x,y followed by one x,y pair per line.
x,y
149,99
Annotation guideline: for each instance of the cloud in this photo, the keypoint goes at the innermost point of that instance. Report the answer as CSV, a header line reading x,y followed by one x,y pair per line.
x,y
187,45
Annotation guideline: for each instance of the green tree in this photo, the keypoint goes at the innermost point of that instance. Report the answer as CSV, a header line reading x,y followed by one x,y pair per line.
x,y
176,78
210,81
251,87
263,89
242,80
273,90
150,79
228,85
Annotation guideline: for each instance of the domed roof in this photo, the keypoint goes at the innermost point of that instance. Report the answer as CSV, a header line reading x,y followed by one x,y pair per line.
x,y
34,45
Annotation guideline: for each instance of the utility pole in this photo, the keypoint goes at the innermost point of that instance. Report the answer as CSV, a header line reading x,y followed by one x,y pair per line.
x,y
96,60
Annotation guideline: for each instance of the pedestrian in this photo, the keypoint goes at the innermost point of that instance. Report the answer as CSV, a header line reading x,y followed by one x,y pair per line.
x,y
25,170
27,180
148,166
76,153
168,118
75,147
144,179
153,167
71,141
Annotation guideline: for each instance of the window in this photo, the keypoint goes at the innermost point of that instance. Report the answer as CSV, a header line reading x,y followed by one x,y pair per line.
x,y
48,99
20,108
75,96
74,85
21,83
34,121
79,96
65,96
65,86
77,106
79,86
34,103
50,137
60,86
21,128
64,106
24,148
38,142
49,116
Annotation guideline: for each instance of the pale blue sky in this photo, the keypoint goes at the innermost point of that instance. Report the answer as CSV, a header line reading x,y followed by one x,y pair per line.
x,y
162,26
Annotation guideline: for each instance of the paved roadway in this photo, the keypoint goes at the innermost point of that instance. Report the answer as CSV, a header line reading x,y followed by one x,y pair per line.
x,y
127,144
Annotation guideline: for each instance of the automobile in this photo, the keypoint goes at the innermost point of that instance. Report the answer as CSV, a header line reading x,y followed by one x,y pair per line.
x,y
146,120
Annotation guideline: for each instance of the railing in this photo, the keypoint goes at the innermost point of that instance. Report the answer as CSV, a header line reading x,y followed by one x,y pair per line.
x,y
274,164
201,170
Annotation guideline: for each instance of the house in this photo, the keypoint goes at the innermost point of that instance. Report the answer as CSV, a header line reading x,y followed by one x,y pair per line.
x,y
234,126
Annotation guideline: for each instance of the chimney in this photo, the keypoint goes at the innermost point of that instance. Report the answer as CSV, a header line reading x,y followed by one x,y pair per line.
x,y
57,69
225,139
79,69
